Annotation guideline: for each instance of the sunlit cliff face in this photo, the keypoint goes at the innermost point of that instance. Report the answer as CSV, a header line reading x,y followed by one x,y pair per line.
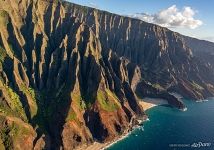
x,y
72,75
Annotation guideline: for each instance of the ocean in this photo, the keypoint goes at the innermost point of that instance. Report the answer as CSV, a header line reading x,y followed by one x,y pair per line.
x,y
171,129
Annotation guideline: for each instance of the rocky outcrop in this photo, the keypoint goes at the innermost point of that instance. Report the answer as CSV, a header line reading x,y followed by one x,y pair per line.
x,y
72,75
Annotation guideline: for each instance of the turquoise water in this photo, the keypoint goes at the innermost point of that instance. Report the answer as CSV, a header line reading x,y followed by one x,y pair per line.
x,y
172,129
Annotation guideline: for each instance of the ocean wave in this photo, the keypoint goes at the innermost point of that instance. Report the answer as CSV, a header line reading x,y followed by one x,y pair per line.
x,y
200,101
118,140
184,109
140,127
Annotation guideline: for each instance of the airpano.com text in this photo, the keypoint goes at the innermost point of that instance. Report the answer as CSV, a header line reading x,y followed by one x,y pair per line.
x,y
193,145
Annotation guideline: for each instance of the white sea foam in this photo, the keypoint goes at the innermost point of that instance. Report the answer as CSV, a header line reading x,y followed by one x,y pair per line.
x,y
147,119
184,109
141,128
200,101
118,140
125,135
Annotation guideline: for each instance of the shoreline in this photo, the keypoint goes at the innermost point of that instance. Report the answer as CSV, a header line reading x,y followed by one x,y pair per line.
x,y
146,103
104,146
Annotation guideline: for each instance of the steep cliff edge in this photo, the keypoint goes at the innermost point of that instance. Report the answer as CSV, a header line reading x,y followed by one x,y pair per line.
x,y
165,58
72,75
55,78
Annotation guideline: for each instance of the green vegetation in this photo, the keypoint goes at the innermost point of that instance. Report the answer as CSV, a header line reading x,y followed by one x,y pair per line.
x,y
86,101
29,91
3,55
17,130
12,104
112,94
4,18
78,100
55,1
40,117
107,101
157,86
5,109
71,115
15,104
12,132
12,49
7,142
32,93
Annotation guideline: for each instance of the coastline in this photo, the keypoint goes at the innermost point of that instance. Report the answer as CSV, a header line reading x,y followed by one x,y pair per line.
x,y
104,146
146,103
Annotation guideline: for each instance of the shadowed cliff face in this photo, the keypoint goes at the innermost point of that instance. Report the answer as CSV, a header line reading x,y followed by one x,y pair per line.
x,y
166,59
54,75
70,75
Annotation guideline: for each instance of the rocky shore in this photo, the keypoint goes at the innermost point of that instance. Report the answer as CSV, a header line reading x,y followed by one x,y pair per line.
x,y
146,103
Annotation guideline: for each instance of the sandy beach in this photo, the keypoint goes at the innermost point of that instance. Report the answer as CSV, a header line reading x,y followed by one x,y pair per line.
x,y
102,146
146,103
94,146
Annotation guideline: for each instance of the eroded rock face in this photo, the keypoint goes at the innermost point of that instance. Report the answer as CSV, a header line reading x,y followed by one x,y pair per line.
x,y
54,73
73,75
166,59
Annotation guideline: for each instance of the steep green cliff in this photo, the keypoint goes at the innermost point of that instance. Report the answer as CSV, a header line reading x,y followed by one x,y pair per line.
x,y
71,75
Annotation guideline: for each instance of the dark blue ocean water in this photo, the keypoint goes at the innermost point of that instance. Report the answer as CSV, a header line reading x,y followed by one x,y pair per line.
x,y
172,129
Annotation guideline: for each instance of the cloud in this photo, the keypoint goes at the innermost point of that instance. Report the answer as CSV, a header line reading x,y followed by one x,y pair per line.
x,y
172,17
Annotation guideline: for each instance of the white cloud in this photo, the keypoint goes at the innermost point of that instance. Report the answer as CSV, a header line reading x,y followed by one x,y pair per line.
x,y
172,17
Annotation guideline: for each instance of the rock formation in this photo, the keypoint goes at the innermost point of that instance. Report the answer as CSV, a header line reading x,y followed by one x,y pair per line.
x,y
72,75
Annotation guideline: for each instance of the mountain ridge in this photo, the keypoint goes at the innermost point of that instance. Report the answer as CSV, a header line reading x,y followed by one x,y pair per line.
x,y
152,29
75,75
133,18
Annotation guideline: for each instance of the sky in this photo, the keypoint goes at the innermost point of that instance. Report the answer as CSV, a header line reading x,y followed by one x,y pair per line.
x,y
193,18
